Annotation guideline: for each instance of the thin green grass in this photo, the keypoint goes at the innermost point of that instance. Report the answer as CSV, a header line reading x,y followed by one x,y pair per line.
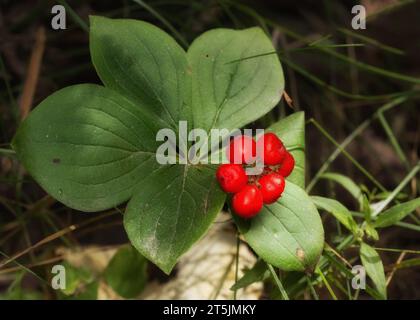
x,y
164,21
350,138
278,282
371,41
347,155
76,18
397,190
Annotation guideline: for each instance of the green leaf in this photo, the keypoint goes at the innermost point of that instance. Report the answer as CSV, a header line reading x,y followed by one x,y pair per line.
x,y
291,131
346,183
374,268
340,212
144,63
257,273
171,210
233,82
396,213
88,146
287,234
126,272
371,232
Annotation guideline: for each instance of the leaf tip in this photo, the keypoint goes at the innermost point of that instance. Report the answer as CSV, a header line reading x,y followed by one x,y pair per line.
x,y
165,266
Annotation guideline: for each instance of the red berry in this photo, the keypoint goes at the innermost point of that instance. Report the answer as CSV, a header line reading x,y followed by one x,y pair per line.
x,y
242,150
272,149
287,165
232,177
247,202
271,186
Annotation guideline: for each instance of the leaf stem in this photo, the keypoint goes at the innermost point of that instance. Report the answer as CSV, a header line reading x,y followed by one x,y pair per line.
x,y
236,264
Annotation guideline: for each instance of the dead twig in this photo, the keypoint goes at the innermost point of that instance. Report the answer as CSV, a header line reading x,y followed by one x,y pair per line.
x,y
32,74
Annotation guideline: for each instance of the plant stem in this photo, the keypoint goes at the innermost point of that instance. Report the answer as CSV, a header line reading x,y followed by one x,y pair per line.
x,y
311,287
236,264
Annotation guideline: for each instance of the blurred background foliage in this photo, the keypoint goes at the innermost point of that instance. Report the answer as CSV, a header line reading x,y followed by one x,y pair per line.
x,y
358,88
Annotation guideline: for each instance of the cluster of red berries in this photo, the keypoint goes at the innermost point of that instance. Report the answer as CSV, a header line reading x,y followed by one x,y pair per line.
x,y
251,192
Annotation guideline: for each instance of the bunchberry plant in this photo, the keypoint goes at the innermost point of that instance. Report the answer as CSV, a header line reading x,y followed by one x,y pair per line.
x,y
93,147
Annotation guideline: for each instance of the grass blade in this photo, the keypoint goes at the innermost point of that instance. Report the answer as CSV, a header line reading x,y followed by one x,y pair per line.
x,y
397,190
327,285
393,139
278,282
165,22
371,41
77,19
